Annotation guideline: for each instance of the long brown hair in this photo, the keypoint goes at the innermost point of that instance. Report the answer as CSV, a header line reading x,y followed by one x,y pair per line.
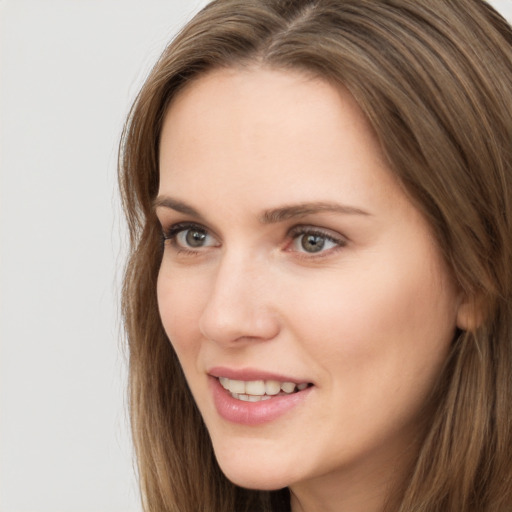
x,y
434,79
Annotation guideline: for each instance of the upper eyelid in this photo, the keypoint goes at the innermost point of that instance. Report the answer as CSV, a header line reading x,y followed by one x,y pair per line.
x,y
175,227
328,233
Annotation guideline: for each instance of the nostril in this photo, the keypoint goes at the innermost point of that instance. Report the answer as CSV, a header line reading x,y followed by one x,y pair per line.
x,y
229,323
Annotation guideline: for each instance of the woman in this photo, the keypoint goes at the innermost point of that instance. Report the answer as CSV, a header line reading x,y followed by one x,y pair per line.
x,y
318,298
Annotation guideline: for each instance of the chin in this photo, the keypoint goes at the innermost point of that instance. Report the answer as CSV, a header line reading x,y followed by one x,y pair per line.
x,y
258,482
255,473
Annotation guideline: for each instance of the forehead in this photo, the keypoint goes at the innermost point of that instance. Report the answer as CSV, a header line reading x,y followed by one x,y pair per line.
x,y
272,91
284,135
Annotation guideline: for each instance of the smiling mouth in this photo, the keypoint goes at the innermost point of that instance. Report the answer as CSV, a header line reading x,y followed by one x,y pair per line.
x,y
260,390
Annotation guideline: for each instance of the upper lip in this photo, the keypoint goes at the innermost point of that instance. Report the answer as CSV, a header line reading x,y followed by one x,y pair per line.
x,y
250,374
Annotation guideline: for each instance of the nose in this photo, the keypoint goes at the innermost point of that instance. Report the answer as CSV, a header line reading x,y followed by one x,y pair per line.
x,y
241,304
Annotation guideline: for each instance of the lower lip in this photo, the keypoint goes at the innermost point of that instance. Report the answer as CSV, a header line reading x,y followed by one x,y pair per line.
x,y
253,413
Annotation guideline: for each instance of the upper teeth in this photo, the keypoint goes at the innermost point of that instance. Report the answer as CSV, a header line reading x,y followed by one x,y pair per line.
x,y
260,387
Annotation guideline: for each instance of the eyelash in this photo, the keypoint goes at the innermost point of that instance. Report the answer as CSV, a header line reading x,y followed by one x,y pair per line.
x,y
301,231
170,235
293,234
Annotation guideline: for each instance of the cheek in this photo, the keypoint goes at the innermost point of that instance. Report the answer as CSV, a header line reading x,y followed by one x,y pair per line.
x,y
380,344
388,323
180,305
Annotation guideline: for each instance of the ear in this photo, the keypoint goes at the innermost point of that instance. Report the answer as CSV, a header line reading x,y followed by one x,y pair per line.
x,y
470,313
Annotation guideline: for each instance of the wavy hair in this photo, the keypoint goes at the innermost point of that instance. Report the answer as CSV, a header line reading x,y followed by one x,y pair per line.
x,y
435,81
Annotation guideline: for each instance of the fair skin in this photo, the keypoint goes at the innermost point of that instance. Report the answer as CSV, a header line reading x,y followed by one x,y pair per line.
x,y
291,250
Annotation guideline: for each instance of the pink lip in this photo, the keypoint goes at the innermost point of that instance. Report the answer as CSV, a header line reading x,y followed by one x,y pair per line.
x,y
251,374
253,413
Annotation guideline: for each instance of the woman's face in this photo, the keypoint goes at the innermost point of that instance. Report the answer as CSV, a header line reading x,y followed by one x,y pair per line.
x,y
298,275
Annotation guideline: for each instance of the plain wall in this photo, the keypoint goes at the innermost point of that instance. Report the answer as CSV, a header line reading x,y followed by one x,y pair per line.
x,y
69,70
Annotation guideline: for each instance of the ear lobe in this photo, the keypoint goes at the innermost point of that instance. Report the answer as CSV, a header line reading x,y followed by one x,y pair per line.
x,y
470,314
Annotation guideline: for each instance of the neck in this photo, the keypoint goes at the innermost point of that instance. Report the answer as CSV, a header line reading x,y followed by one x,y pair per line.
x,y
329,496
369,486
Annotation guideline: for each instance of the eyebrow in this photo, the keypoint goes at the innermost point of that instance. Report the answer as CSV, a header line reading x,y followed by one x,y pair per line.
x,y
272,216
174,204
302,209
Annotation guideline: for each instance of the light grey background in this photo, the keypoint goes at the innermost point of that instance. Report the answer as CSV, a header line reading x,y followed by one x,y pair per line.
x,y
69,70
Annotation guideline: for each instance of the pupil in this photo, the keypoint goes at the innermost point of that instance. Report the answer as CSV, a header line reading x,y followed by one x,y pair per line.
x,y
195,238
313,243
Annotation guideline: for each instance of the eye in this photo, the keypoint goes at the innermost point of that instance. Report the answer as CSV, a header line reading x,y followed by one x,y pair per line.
x,y
190,236
312,241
